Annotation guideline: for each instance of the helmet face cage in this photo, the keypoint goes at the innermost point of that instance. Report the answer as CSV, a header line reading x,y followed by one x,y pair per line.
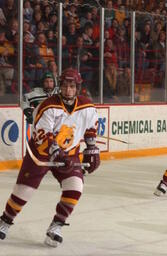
x,y
73,75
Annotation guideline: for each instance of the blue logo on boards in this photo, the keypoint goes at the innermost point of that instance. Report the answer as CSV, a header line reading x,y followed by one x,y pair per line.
x,y
101,126
10,132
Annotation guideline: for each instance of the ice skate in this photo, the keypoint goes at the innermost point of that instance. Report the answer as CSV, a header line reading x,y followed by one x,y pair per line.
x,y
53,235
3,229
161,189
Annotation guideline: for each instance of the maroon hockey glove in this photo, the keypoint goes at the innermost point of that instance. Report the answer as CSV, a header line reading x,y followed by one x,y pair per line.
x,y
91,155
59,155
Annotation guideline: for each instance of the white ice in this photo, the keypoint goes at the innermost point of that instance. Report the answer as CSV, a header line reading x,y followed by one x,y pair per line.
x,y
117,214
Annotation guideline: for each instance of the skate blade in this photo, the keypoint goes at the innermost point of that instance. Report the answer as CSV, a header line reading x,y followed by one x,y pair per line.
x,y
158,193
52,243
2,235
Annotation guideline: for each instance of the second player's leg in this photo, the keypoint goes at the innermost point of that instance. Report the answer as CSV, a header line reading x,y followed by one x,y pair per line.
x,y
28,180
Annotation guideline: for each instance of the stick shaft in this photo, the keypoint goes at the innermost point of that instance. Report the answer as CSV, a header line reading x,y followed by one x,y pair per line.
x,y
110,138
50,164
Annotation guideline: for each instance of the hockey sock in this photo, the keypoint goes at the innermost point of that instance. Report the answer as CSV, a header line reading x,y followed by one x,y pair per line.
x,y
13,207
66,205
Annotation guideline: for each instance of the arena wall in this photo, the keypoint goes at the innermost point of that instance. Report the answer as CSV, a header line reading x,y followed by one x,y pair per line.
x,y
123,131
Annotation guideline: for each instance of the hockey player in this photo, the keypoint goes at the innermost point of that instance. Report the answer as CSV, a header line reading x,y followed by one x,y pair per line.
x,y
162,186
37,95
60,123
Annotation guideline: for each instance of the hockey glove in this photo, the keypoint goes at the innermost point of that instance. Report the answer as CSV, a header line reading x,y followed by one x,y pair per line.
x,y
28,113
59,155
91,155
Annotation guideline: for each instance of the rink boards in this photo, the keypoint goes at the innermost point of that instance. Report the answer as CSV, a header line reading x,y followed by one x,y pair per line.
x,y
123,131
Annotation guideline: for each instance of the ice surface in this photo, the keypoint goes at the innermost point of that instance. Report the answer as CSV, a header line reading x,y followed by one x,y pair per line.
x,y
116,215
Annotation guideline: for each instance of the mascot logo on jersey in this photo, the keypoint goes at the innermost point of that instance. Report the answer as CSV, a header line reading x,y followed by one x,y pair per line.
x,y
65,137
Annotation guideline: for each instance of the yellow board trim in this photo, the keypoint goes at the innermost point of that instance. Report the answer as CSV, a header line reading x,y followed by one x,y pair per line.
x,y
16,164
133,153
11,164
69,200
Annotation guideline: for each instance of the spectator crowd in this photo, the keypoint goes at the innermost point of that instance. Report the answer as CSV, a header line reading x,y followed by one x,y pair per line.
x,y
80,43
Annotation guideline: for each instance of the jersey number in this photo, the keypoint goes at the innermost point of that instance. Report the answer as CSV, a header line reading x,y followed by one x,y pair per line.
x,y
38,136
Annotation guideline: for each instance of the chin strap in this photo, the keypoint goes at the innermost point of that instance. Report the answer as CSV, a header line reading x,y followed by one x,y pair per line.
x,y
68,101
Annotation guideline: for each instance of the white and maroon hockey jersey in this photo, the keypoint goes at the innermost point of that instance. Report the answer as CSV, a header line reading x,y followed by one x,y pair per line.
x,y
52,121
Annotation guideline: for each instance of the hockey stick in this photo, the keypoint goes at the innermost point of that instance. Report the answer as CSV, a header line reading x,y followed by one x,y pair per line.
x,y
50,164
110,138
